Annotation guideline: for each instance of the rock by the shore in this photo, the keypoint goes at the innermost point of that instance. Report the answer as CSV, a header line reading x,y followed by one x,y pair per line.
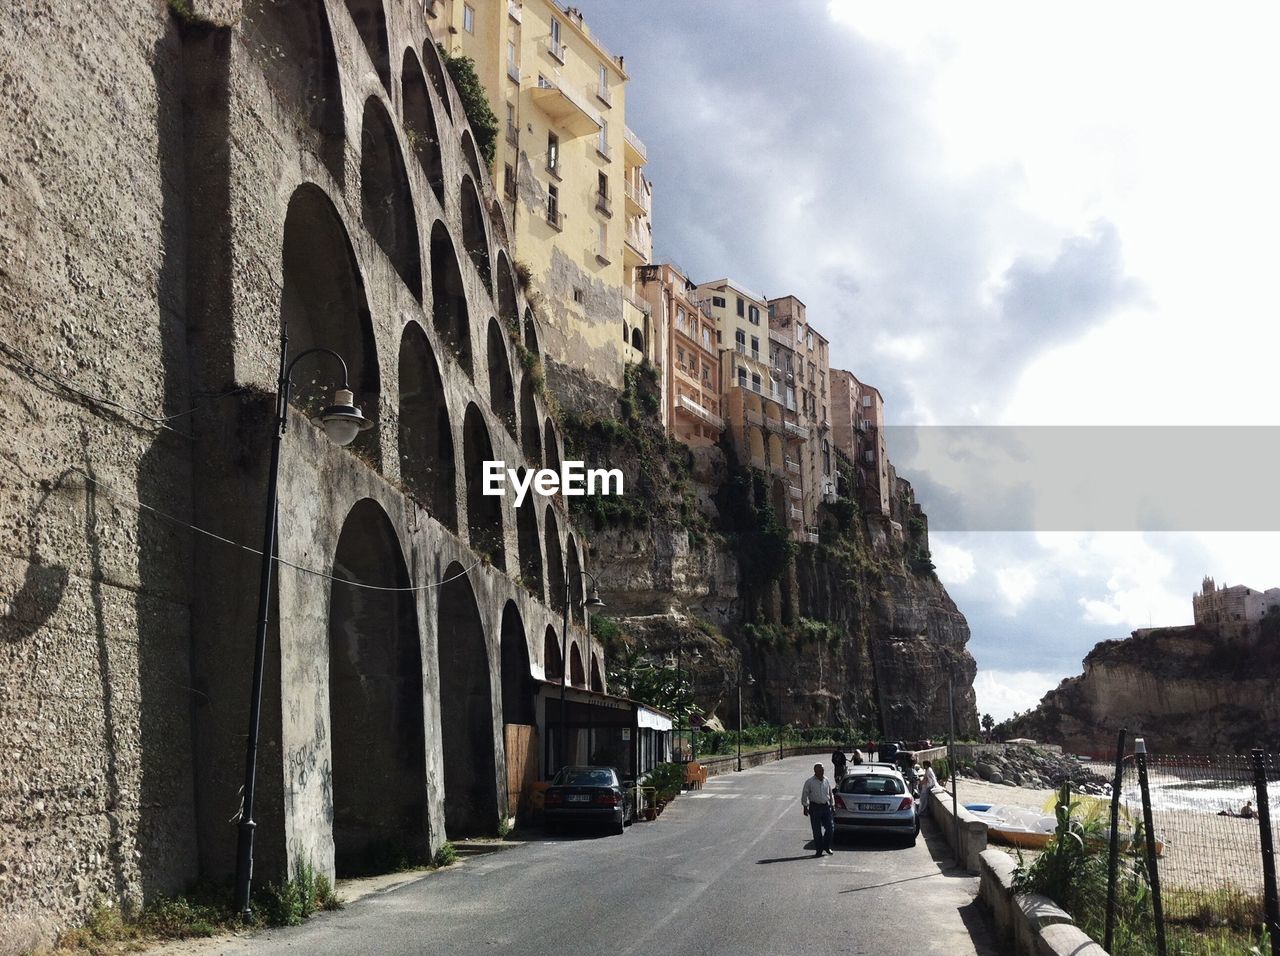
x,y
1034,768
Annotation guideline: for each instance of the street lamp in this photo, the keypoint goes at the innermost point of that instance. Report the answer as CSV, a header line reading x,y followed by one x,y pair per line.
x,y
593,600
342,421
750,680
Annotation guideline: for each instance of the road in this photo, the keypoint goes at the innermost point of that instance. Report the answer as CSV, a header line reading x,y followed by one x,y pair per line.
x,y
726,870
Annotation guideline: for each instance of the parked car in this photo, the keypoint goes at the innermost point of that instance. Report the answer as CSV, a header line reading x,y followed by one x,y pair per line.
x,y
876,799
592,795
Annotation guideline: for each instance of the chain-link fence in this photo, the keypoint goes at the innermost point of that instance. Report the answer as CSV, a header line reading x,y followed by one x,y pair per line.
x,y
1188,854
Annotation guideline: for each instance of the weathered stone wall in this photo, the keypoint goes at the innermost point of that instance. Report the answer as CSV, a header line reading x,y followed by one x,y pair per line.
x,y
95,741
173,189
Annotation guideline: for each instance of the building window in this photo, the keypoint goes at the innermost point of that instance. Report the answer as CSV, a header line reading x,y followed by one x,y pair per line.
x,y
553,153
755,346
866,401
556,49
717,301
706,339
808,338
553,206
754,315
680,355
755,381
771,310
742,376
579,296
603,88
826,457
602,144
509,181
468,18
740,337
513,66
603,239
680,319
742,306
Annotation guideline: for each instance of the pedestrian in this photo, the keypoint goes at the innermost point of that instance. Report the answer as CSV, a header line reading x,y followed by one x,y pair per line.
x,y
816,800
928,781
838,762
1247,810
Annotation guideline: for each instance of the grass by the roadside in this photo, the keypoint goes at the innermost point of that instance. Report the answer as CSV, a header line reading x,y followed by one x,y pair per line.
x,y
206,911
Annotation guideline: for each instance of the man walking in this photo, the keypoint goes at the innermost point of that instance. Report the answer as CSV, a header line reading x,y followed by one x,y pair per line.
x,y
816,799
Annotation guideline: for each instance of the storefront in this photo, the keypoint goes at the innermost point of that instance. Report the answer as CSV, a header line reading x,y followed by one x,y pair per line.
x,y
601,730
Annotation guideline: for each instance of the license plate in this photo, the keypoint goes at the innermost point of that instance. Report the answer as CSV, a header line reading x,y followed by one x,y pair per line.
x,y
872,807
578,798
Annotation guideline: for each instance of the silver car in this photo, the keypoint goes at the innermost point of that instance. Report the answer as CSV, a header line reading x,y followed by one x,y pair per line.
x,y
876,799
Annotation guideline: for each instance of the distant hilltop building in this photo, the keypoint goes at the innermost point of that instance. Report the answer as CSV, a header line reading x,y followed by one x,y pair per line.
x,y
1232,609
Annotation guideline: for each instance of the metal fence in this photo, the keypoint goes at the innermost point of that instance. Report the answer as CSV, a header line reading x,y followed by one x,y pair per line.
x,y
1190,853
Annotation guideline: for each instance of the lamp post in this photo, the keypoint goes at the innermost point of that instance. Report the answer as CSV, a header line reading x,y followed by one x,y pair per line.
x,y
342,422
750,680
593,600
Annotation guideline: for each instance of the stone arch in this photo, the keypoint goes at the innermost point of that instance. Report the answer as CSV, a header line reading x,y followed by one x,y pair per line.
x,y
755,438
466,711
470,155
420,123
371,23
475,236
518,690
577,676
551,449
597,681
531,335
778,499
427,464
386,203
530,434
776,456
508,309
376,727
573,568
449,297
502,394
435,72
555,560
323,305
484,512
637,339
552,661
296,53
527,542
498,223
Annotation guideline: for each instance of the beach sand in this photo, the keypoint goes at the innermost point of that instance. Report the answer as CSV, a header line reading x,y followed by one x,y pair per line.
x,y
1202,851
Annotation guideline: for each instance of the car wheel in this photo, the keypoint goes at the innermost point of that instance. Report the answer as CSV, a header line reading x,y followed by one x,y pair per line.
x,y
618,827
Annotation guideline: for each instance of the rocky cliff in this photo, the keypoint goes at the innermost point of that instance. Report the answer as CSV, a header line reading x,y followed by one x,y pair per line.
x,y
853,630
1186,689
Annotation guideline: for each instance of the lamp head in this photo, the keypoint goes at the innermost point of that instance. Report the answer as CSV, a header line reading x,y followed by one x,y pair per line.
x,y
342,420
593,600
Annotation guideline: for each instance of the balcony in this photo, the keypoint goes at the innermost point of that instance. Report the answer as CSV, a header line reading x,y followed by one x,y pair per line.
x,y
604,151
775,425
513,72
509,188
638,242
513,132
554,167
565,105
515,11
754,418
637,154
797,431
556,49
638,201
811,537
555,219
796,514
793,466
795,492
602,255
604,95
689,405
638,302
604,204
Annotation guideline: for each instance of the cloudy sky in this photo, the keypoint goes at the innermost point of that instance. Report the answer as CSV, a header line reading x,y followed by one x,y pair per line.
x,y
1001,214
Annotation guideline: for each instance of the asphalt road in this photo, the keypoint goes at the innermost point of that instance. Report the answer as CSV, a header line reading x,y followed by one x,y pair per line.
x,y
727,870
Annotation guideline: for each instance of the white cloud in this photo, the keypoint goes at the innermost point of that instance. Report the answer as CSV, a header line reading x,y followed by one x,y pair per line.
x,y
1016,585
954,564
1000,693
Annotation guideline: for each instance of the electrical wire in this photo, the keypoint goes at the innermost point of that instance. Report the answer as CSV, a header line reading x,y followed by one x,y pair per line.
x,y
140,505
34,371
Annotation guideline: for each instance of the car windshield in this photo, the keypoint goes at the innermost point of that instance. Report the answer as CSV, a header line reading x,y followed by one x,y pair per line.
x,y
873,784
581,777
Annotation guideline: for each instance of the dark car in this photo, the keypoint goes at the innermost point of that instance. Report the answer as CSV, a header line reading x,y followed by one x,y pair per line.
x,y
592,795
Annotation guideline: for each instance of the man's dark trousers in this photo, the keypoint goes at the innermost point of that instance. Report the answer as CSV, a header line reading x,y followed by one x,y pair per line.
x,y
823,828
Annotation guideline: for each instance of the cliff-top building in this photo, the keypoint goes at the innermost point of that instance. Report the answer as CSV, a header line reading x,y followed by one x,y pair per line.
x,y
569,171
1230,610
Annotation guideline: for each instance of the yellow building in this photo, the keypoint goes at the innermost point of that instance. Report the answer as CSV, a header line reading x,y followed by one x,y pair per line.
x,y
570,171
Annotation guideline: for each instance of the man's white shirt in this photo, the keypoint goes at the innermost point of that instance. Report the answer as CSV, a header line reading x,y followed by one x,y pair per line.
x,y
816,791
